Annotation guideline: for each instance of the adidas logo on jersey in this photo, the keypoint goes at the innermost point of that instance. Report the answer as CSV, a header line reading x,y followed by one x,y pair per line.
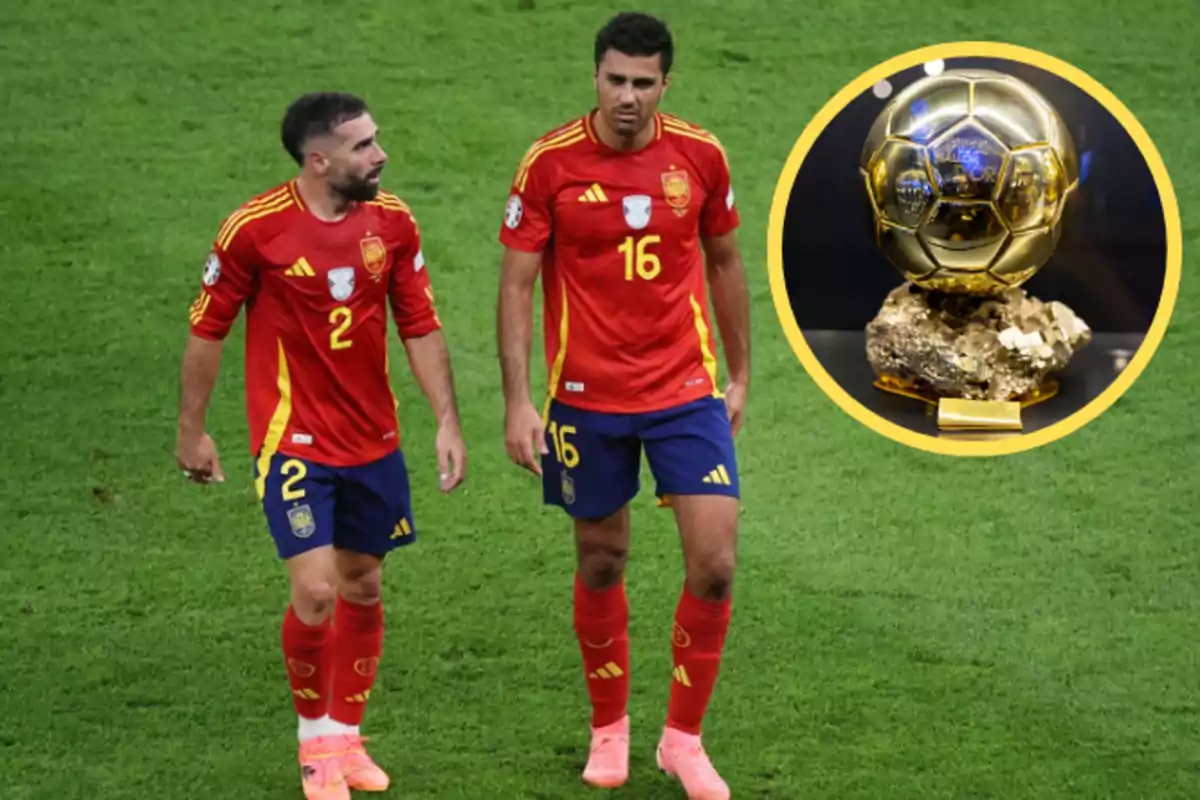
x,y
301,269
719,476
594,195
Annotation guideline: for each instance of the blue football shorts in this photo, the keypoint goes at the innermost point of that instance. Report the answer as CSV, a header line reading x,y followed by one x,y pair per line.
x,y
363,509
594,465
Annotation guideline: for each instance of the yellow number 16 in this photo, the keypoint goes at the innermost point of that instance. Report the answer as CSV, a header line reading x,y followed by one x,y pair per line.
x,y
646,265
566,452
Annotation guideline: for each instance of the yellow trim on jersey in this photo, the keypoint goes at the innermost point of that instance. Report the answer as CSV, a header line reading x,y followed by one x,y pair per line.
x,y
281,205
391,202
295,190
559,358
387,372
278,424
253,205
673,119
710,361
699,134
570,129
576,139
572,135
198,309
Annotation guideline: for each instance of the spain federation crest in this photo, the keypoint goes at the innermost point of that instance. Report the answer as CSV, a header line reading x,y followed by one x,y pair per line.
x,y
636,209
302,521
568,489
677,190
341,283
374,255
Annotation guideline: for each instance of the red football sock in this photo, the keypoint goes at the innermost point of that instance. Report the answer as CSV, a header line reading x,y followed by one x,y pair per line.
x,y
306,655
697,641
601,625
358,644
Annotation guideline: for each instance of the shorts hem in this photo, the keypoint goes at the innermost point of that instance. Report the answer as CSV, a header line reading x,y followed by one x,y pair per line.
x,y
580,513
705,492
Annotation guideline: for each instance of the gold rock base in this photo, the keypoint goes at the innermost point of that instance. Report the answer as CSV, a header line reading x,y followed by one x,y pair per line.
x,y
985,349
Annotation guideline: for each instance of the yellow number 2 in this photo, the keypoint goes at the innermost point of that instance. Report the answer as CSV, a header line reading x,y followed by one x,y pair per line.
x,y
566,452
646,265
336,342
295,471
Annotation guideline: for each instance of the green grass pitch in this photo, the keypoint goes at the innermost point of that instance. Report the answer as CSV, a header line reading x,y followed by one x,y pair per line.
x,y
906,625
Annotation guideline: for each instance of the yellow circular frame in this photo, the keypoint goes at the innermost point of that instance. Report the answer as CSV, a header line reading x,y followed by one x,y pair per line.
x,y
947,446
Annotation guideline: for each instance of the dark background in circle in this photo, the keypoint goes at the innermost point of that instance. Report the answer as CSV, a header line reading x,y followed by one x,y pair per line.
x,y
1108,267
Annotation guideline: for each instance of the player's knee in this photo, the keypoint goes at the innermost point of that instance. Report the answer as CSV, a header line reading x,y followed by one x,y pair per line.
x,y
313,598
360,578
601,566
710,575
364,589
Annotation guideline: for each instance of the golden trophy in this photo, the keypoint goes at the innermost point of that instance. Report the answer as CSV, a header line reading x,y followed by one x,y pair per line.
x,y
968,174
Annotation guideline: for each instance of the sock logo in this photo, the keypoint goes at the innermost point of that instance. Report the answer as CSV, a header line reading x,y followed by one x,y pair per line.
x,y
366,666
306,694
601,646
681,675
608,671
300,668
362,697
680,637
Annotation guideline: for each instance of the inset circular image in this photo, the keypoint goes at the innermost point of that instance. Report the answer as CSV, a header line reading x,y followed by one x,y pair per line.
x,y
974,249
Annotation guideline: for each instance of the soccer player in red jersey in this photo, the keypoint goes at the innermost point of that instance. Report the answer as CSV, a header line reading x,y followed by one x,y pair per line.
x,y
317,262
629,216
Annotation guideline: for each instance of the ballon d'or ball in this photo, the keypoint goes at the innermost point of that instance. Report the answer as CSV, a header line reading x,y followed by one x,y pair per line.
x,y
968,173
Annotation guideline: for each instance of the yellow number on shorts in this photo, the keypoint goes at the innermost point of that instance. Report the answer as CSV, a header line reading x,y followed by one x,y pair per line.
x,y
646,265
336,342
566,452
295,471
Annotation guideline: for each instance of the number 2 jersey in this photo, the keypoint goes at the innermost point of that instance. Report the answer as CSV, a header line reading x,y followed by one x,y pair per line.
x,y
317,296
625,303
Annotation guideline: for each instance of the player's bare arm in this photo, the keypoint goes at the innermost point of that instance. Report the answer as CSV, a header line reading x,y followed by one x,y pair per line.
x,y
523,434
429,359
195,451
731,305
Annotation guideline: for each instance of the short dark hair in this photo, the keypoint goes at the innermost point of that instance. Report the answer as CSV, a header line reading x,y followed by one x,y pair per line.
x,y
316,114
636,34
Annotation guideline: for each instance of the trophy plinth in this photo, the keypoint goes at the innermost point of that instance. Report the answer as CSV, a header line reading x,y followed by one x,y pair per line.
x,y
977,350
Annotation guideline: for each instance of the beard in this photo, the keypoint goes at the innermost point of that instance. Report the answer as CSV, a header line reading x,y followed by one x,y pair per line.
x,y
360,190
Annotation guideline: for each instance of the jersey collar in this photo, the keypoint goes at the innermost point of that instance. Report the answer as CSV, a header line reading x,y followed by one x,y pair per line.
x,y
590,130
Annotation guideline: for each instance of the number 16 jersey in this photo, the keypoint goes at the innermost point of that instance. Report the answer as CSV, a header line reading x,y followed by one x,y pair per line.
x,y
626,319
317,296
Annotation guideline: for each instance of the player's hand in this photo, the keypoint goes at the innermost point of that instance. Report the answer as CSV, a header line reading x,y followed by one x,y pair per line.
x,y
197,457
735,404
525,437
451,455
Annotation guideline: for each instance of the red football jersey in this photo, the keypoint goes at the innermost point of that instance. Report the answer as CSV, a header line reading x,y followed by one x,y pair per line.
x,y
625,300
316,295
